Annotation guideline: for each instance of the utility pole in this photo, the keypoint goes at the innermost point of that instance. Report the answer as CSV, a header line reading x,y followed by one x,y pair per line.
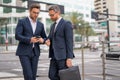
x,y
6,36
108,31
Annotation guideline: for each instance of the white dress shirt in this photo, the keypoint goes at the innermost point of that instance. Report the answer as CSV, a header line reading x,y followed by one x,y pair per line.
x,y
33,24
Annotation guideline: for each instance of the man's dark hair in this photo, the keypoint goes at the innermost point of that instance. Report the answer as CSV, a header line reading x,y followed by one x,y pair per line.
x,y
55,8
34,5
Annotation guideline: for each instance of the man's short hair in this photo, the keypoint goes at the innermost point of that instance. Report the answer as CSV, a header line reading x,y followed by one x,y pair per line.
x,y
34,5
56,8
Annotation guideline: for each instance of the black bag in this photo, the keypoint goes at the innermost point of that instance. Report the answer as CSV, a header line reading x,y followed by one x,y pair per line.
x,y
71,73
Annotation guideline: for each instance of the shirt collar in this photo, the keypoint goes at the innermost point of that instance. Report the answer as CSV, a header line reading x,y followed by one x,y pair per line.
x,y
31,20
58,20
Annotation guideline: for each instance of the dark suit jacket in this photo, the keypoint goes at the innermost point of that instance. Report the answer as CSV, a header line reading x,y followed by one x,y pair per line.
x,y
61,41
24,33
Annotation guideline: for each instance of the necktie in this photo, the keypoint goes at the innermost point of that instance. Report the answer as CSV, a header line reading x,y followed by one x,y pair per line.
x,y
53,30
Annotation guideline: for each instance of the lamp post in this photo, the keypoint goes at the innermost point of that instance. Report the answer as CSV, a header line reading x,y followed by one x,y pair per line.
x,y
6,37
108,31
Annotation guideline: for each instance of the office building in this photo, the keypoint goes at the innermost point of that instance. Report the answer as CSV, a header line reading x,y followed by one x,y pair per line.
x,y
12,10
113,7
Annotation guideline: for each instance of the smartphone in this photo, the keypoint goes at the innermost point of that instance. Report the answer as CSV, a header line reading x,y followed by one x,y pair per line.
x,y
38,36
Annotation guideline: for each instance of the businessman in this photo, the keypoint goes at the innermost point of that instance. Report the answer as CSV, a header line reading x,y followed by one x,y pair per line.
x,y
30,34
60,40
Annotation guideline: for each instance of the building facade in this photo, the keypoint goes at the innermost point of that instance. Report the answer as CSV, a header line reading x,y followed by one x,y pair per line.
x,y
12,10
81,6
113,7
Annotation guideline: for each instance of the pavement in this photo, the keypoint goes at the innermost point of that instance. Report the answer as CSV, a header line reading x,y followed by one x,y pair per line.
x,y
10,68
42,78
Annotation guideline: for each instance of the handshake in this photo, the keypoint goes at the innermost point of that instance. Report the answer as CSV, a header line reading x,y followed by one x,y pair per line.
x,y
40,40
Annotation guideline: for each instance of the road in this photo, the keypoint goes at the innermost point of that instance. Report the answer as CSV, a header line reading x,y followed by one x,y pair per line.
x,y
10,68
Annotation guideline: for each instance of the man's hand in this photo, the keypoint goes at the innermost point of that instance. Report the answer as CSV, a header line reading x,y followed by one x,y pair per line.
x,y
69,62
47,42
41,40
34,40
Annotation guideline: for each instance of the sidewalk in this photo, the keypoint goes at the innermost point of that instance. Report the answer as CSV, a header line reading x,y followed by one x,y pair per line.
x,y
10,68
42,78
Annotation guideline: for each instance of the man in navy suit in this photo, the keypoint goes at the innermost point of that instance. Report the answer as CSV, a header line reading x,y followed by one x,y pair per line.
x,y
60,40
30,34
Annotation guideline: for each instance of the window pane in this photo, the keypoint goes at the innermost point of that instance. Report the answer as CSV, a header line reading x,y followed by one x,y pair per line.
x,y
8,21
19,3
6,1
7,10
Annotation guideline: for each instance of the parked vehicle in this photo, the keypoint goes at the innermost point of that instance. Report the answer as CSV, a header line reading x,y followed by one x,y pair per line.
x,y
93,47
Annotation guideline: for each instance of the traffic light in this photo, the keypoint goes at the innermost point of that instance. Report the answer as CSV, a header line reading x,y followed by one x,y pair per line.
x,y
61,8
94,15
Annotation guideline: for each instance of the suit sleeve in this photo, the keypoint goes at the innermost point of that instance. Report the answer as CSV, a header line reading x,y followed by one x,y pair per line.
x,y
43,34
69,39
19,33
50,33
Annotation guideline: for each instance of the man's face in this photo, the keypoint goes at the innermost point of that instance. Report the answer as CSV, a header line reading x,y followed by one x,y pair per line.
x,y
34,13
53,15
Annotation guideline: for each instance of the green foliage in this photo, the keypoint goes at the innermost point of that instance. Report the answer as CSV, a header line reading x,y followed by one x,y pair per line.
x,y
80,26
3,21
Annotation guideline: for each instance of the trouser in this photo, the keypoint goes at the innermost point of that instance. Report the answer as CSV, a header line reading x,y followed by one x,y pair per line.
x,y
55,66
29,65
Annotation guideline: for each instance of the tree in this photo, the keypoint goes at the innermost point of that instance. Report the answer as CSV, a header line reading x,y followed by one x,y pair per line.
x,y
3,21
73,17
80,26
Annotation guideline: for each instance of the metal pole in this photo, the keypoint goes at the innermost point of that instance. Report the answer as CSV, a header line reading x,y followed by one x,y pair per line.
x,y
6,41
83,63
103,60
108,29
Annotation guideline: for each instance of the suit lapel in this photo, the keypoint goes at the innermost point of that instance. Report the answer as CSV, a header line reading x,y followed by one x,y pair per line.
x,y
29,25
59,25
36,27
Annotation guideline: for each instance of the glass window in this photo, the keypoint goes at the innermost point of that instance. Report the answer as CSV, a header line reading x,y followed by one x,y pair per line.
x,y
48,23
9,29
14,30
87,15
20,10
2,31
78,38
7,10
6,1
0,1
119,19
2,40
20,3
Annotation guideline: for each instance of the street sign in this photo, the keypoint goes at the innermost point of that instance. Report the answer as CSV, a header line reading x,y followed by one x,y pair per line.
x,y
2,32
103,23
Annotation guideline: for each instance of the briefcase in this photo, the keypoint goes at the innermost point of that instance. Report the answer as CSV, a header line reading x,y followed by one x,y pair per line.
x,y
71,73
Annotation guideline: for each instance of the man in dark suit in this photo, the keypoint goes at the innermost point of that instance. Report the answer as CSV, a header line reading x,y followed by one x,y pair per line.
x,y
60,41
30,33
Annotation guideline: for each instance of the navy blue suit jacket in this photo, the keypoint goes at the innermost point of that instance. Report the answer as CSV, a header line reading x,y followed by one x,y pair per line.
x,y
61,40
24,33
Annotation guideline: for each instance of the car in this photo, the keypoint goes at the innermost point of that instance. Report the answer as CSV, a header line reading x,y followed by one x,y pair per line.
x,y
77,45
111,55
